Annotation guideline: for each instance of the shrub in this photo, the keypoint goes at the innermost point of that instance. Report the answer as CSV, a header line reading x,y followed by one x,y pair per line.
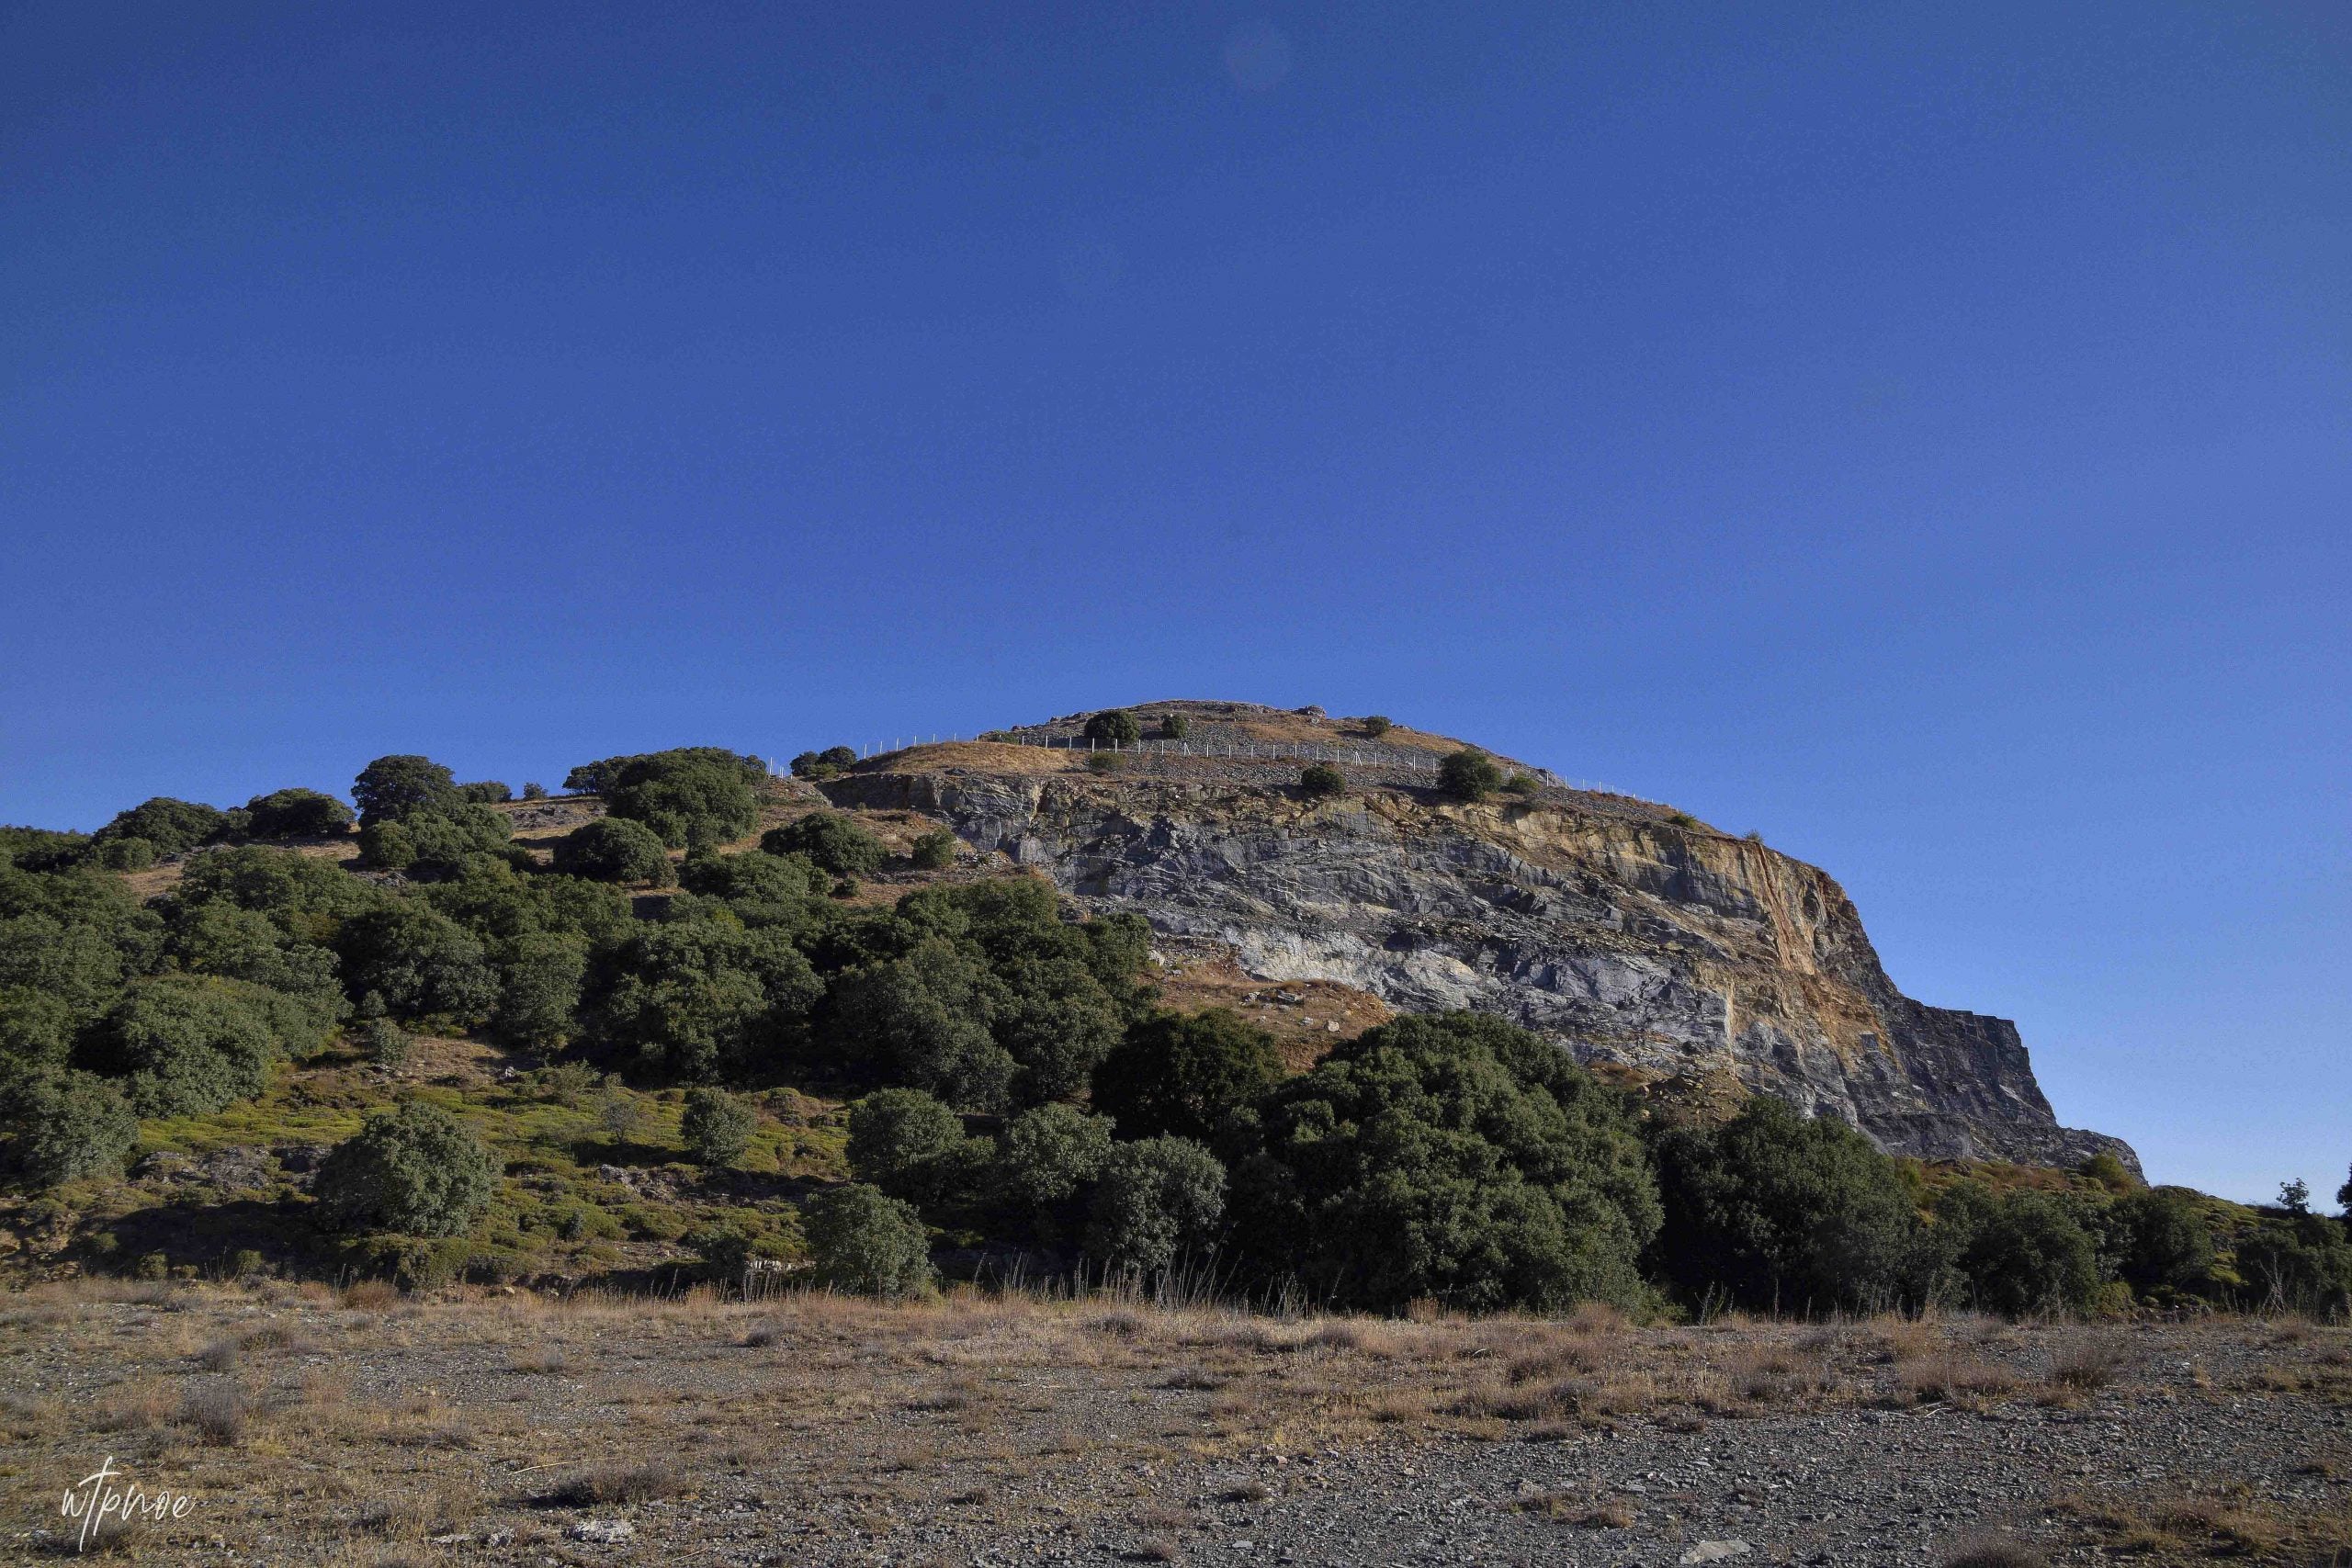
x,y
921,1020
934,851
2161,1240
540,982
702,996
173,827
1104,762
908,1144
716,1127
1375,725
1468,774
1453,1157
184,1045
1779,1211
419,961
620,1114
1175,726
1154,1200
1186,1074
2302,1266
535,792
2109,1172
761,890
823,765
830,841
1520,783
1045,1161
414,1169
73,1124
613,849
694,796
383,1043
864,1241
123,855
2017,1252
1113,727
393,788
1321,781
487,792
387,846
296,814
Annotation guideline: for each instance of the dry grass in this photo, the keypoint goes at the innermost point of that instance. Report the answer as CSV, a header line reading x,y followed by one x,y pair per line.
x,y
614,1481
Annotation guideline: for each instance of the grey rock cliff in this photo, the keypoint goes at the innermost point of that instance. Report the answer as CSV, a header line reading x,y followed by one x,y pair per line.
x,y
1671,949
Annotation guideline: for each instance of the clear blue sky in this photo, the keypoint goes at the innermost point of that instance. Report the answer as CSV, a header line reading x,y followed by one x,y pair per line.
x,y
1922,433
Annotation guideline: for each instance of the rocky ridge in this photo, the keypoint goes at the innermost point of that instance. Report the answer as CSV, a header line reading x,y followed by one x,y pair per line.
x,y
1626,930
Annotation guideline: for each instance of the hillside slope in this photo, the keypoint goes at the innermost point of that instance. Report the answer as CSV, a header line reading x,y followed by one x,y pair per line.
x,y
1623,929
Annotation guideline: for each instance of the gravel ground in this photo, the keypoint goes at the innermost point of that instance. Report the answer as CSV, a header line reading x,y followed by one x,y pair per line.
x,y
508,1429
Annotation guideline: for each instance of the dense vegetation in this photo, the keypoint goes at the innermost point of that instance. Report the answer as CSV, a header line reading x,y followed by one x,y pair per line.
x,y
1013,1089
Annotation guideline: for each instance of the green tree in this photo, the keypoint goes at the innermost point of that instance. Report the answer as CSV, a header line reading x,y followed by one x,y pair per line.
x,y
2295,1197
486,791
934,851
383,1043
173,827
296,814
909,1144
1469,775
922,1020
823,765
864,1241
540,982
390,789
1375,725
1187,1074
535,792
1321,781
1174,726
702,997
829,840
1113,727
1154,1201
1454,1157
183,1045
2019,1253
1783,1212
414,1169
716,1127
72,1125
421,963
694,796
762,890
2162,1240
1045,1162
613,849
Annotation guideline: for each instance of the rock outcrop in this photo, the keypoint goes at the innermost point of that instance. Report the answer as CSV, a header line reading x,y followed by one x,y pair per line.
x,y
1624,930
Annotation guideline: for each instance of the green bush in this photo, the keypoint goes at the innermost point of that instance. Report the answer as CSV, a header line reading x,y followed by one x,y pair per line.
x,y
1776,1211
823,765
296,814
390,789
1453,1157
386,846
716,1127
1175,726
1113,727
2016,1253
829,840
1321,781
1105,762
702,998
909,1144
535,792
173,827
864,1241
383,1043
73,1124
762,889
1375,725
1520,783
414,1169
613,849
692,796
183,1045
921,1020
2303,1265
934,851
420,962
123,855
1189,1074
2161,1240
486,791
1469,775
1044,1162
1154,1201
539,981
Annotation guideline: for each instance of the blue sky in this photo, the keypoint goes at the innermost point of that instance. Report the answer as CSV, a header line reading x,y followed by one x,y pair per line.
x,y
1920,433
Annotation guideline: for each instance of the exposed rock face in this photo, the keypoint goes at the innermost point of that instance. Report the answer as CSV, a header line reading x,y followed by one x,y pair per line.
x,y
1672,949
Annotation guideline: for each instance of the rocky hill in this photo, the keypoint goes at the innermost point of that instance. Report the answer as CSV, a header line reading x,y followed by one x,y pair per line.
x,y
1685,957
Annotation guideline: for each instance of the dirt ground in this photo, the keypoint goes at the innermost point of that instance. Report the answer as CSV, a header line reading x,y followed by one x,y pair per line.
x,y
364,1428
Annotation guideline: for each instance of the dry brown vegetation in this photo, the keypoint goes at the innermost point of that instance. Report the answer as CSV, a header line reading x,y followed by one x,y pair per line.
x,y
367,1417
